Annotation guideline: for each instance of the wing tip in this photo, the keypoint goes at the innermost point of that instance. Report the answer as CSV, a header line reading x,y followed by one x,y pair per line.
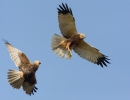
x,y
103,61
64,9
5,41
34,90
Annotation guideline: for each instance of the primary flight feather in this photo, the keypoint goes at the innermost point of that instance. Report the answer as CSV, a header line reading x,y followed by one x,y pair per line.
x,y
25,76
72,40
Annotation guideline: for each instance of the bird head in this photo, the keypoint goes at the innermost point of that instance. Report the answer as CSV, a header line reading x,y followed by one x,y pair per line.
x,y
81,36
37,62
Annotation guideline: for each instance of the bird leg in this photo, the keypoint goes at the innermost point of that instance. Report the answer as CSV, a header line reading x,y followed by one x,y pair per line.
x,y
68,47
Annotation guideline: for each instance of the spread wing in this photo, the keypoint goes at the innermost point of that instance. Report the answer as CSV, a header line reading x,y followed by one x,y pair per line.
x,y
17,56
90,53
29,86
66,21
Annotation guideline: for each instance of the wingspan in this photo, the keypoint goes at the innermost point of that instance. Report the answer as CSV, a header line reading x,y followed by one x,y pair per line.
x,y
66,21
17,56
90,53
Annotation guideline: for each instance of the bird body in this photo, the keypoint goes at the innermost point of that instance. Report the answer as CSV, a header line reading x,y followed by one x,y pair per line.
x,y
66,45
25,76
72,40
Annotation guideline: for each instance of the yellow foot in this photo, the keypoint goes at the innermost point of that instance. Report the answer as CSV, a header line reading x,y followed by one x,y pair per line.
x,y
69,51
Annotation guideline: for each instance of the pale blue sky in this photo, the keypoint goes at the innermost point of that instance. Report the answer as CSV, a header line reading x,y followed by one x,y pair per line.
x,y
29,26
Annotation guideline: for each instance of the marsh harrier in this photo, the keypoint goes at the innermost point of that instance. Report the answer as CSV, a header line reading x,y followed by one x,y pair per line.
x,y
72,40
25,76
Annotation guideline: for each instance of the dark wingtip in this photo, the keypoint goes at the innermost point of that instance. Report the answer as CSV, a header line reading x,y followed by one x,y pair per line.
x,y
102,61
5,41
64,9
34,90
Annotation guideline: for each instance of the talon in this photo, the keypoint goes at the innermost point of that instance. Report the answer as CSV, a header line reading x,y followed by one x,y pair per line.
x,y
69,51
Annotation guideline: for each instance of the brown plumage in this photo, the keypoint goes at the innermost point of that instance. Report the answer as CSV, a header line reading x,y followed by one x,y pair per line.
x,y
72,40
25,77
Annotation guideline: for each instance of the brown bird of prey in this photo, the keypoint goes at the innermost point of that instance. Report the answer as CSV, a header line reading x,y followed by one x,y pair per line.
x,y
25,77
72,40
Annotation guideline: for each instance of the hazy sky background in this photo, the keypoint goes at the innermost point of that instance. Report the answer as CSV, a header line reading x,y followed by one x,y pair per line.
x,y
29,26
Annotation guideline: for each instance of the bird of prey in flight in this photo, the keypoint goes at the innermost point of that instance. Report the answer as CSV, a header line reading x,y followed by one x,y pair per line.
x,y
25,76
72,40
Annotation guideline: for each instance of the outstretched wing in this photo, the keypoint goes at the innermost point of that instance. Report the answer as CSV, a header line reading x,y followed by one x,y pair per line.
x,y
66,21
29,86
90,53
17,56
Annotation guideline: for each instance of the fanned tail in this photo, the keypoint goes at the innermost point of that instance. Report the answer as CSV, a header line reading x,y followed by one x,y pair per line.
x,y
59,46
15,78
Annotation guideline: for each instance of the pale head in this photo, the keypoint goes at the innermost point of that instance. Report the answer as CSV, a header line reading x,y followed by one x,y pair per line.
x,y
37,62
81,36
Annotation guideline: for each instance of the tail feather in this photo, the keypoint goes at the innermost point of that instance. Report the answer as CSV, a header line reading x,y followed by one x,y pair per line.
x,y
15,78
59,46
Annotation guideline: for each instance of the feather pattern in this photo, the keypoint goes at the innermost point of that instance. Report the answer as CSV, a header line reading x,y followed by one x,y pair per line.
x,y
14,52
29,88
66,21
62,51
90,53
15,78
17,56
